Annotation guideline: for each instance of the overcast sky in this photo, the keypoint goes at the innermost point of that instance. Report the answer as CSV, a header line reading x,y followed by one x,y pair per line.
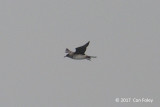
x,y
123,34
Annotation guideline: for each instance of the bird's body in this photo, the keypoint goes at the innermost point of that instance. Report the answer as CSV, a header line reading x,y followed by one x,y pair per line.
x,y
79,54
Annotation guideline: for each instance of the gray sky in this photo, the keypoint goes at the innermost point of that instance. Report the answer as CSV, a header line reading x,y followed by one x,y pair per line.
x,y
124,34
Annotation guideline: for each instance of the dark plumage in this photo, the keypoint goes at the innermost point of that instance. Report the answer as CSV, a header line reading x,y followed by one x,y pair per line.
x,y
82,49
79,53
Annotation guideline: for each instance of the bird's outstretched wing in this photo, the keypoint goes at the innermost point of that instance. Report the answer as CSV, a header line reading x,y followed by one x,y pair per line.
x,y
82,49
68,51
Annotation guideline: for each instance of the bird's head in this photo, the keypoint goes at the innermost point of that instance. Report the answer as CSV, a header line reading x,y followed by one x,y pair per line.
x,y
67,55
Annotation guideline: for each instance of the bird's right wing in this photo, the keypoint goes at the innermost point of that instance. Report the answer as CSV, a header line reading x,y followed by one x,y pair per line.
x,y
82,49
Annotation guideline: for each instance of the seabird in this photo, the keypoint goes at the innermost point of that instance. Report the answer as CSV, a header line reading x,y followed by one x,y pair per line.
x,y
79,53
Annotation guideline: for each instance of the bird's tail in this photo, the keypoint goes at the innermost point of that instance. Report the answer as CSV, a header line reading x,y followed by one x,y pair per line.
x,y
89,57
93,56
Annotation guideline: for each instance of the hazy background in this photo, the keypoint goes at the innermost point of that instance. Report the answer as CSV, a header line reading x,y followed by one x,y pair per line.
x,y
124,35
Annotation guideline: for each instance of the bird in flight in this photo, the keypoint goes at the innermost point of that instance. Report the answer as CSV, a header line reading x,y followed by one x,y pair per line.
x,y
79,53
